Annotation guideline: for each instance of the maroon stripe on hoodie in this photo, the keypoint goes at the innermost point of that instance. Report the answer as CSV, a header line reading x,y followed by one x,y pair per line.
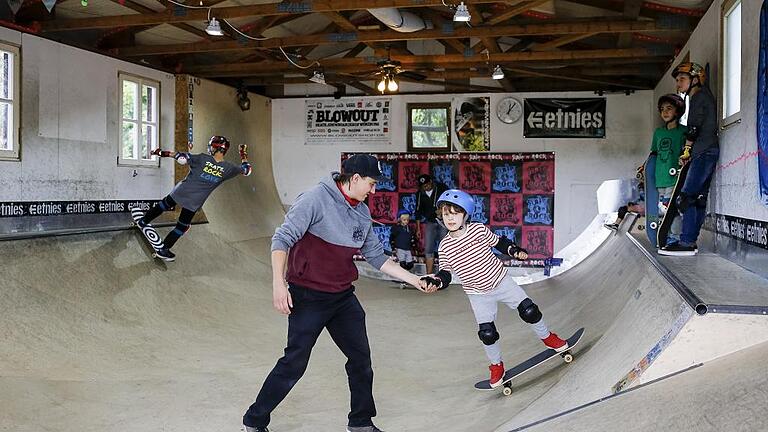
x,y
316,264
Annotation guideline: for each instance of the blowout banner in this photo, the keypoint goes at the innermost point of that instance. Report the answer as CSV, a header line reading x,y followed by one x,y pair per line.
x,y
348,121
514,193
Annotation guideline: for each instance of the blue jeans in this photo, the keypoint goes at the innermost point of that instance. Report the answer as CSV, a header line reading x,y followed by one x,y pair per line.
x,y
697,184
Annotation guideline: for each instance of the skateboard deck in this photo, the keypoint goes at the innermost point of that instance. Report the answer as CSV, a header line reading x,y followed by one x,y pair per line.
x,y
666,222
651,201
531,363
148,232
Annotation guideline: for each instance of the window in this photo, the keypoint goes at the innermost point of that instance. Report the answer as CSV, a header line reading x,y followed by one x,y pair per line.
x,y
139,120
9,101
731,76
428,127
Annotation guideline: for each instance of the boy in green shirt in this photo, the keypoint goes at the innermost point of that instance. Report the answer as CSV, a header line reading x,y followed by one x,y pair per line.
x,y
667,145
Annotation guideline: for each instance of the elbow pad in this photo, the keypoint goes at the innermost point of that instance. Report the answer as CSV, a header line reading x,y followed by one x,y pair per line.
x,y
504,245
181,158
246,167
692,134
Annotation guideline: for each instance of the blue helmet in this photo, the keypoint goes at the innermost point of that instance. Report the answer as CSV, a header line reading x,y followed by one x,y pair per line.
x,y
403,212
459,198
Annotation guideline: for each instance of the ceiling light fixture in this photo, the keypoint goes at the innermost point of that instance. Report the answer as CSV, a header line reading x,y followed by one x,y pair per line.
x,y
392,86
462,13
382,84
213,28
497,73
243,101
318,77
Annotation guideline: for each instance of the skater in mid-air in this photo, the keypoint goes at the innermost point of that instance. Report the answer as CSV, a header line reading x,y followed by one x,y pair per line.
x,y
206,172
466,250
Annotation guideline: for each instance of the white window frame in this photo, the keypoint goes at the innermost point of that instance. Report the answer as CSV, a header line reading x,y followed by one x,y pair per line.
x,y
14,129
727,77
136,159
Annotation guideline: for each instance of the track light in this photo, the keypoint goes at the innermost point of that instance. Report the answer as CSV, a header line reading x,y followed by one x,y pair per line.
x,y
462,13
214,29
318,77
243,101
497,73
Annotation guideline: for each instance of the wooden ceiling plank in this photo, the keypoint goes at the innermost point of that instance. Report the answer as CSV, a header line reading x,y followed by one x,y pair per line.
x,y
565,40
516,10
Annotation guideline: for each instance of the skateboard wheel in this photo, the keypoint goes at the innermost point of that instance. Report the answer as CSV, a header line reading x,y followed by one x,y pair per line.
x,y
673,171
654,225
567,357
507,390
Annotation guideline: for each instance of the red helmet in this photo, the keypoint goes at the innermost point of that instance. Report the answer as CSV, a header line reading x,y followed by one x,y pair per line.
x,y
674,100
218,143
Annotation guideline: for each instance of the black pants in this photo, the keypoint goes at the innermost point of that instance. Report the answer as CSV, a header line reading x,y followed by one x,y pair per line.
x,y
182,225
344,317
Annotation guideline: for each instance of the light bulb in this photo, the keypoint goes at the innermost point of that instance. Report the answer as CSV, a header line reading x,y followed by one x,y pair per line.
x,y
382,85
392,86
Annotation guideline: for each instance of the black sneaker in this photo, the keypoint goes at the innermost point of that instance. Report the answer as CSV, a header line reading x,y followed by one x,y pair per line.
x,y
165,255
142,224
363,429
677,249
255,429
612,227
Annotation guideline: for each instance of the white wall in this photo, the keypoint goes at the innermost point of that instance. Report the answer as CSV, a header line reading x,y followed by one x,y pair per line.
x,y
69,127
580,164
735,190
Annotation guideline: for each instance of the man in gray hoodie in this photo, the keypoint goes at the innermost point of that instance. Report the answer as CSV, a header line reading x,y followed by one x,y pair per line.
x,y
323,230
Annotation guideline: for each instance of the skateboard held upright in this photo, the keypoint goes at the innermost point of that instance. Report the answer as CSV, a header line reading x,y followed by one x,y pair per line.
x,y
651,200
672,212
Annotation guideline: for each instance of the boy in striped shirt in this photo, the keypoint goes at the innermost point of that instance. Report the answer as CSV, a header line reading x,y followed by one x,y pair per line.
x,y
467,251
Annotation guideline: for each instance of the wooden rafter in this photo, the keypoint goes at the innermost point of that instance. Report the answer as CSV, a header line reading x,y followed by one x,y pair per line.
x,y
565,40
425,61
390,36
516,10
282,8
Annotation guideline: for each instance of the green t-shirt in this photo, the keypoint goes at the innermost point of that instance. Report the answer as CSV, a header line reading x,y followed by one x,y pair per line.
x,y
668,145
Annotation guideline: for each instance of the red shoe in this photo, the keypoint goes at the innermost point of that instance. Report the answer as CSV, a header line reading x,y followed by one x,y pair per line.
x,y
497,373
554,342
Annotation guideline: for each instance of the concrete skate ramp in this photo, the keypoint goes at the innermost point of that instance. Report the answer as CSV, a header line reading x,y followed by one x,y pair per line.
x,y
97,336
695,399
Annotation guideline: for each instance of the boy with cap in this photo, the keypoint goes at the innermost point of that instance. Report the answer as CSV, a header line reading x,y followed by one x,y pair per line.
x,y
312,275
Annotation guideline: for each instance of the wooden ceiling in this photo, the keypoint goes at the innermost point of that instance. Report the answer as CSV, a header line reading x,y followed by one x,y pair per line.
x,y
542,45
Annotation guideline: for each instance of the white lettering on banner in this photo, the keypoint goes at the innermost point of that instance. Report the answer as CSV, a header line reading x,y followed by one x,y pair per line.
x,y
749,231
565,120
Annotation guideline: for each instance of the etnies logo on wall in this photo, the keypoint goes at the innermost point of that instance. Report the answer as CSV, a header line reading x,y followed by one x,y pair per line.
x,y
564,118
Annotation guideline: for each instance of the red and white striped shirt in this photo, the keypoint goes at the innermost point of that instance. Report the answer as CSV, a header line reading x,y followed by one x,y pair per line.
x,y
470,257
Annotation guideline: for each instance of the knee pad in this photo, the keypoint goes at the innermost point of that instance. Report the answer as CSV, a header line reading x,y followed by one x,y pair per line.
x,y
528,311
165,205
406,265
684,202
181,228
701,201
487,333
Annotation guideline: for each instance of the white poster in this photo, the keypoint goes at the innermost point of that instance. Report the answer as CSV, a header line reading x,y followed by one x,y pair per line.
x,y
471,124
363,120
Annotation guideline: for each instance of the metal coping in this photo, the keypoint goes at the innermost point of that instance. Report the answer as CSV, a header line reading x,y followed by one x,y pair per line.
x,y
76,231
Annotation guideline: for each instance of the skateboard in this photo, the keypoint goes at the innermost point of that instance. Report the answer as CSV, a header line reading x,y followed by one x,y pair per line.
x,y
651,200
148,232
671,214
531,363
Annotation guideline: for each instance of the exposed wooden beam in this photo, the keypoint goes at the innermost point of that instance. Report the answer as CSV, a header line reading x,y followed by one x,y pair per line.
x,y
426,61
572,77
516,10
565,40
390,36
631,11
356,50
281,8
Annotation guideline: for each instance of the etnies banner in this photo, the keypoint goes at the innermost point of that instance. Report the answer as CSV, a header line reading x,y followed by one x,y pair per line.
x,y
564,118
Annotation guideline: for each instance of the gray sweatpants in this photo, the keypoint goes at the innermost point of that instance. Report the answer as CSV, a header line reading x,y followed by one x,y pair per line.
x,y
485,307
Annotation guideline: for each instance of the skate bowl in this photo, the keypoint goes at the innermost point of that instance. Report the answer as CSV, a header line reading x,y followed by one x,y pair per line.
x,y
98,336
